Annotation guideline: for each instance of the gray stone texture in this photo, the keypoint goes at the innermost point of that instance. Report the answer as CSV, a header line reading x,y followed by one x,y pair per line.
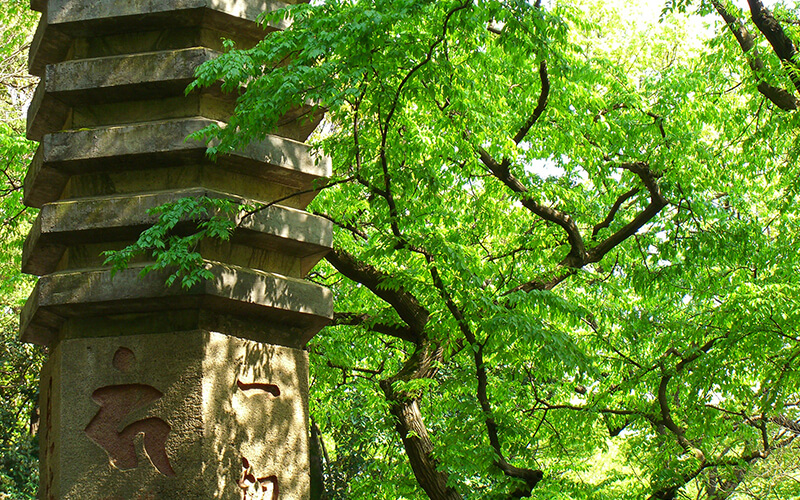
x,y
62,226
298,308
64,21
148,145
153,391
89,82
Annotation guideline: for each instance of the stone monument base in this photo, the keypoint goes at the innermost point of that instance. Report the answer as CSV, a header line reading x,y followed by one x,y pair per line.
x,y
192,414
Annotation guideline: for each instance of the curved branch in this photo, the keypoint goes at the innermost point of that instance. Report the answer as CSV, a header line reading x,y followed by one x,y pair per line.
x,y
416,68
778,96
783,46
663,402
501,171
540,106
410,424
613,211
530,476
579,256
657,202
423,363
406,305
354,319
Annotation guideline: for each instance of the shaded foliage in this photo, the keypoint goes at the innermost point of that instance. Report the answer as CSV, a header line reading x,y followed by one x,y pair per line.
x,y
19,364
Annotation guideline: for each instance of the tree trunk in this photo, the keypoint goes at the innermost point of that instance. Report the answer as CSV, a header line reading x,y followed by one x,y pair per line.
x,y
410,425
418,445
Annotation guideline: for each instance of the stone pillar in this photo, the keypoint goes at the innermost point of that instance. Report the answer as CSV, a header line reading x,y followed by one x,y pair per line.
x,y
155,392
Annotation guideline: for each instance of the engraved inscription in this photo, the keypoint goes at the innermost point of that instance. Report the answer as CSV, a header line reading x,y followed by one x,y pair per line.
x,y
255,389
257,488
124,359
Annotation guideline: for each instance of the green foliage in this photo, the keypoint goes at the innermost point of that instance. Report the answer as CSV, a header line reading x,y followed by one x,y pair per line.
x,y
19,364
18,388
165,247
664,366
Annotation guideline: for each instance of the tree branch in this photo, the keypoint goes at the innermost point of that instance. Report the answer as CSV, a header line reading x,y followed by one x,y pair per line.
x,y
530,476
500,170
355,319
345,225
783,46
423,363
778,96
657,202
540,106
378,282
545,282
325,185
663,402
613,211
416,68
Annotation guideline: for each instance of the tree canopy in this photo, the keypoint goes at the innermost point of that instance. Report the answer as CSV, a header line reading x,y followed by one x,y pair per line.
x,y
565,256
565,250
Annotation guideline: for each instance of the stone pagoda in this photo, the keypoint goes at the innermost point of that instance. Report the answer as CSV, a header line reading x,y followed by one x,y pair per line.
x,y
150,391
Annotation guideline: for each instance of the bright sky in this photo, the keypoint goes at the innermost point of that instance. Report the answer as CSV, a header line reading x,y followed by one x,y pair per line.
x,y
648,10
767,3
644,15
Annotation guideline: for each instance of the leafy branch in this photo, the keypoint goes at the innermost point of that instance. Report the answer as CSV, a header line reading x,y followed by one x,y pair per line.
x,y
170,247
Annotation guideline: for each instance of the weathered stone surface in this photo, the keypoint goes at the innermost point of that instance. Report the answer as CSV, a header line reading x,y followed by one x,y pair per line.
x,y
205,174
303,308
110,79
49,45
204,103
103,220
76,11
154,391
157,144
157,40
65,20
203,405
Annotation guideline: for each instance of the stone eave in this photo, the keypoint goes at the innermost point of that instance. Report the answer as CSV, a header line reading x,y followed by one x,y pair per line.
x,y
298,305
122,218
157,144
63,20
102,80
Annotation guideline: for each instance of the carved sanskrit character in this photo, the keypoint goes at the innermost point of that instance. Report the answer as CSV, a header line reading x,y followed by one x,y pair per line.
x,y
117,402
257,488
